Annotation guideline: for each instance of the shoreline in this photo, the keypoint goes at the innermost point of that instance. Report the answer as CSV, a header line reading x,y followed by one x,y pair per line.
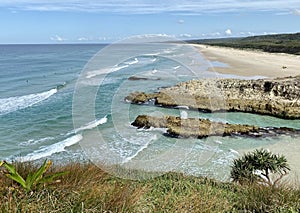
x,y
248,63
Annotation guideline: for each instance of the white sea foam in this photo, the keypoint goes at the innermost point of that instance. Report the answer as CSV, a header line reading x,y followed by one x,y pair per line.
x,y
51,149
177,67
234,151
218,142
144,146
95,73
154,71
168,51
37,141
135,61
91,125
181,107
105,81
152,129
183,115
60,146
11,104
145,59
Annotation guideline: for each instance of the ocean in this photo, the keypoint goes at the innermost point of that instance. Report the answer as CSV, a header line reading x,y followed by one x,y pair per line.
x,y
65,102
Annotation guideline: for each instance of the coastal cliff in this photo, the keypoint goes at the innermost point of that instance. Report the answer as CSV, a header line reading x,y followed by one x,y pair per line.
x,y
276,97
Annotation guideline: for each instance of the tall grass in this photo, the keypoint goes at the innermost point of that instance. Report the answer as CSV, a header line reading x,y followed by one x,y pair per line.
x,y
89,189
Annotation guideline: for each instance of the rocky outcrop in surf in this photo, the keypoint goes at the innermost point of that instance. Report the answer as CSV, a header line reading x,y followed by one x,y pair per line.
x,y
137,78
277,97
199,128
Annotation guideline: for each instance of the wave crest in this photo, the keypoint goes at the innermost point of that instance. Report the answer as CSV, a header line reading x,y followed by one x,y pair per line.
x,y
49,150
12,104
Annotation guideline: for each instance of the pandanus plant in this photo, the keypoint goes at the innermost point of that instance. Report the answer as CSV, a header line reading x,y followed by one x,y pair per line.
x,y
259,166
33,179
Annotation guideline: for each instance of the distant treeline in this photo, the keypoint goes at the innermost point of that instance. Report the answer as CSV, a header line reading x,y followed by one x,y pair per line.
x,y
279,43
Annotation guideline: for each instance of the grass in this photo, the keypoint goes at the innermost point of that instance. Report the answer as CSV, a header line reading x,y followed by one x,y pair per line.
x,y
86,188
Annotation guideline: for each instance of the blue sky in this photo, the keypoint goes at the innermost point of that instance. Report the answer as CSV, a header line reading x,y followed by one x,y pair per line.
x,y
69,21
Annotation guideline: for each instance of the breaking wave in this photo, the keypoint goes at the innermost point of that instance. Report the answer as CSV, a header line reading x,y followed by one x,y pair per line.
x,y
12,104
51,149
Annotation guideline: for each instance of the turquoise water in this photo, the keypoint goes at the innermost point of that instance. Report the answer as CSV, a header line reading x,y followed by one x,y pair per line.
x,y
37,85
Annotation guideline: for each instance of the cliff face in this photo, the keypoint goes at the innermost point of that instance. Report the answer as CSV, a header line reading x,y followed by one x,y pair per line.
x,y
199,128
276,97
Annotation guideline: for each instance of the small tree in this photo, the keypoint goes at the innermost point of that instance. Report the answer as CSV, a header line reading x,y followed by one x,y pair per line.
x,y
259,166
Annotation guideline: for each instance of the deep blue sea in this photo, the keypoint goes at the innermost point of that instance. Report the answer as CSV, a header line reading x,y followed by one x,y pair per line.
x,y
63,102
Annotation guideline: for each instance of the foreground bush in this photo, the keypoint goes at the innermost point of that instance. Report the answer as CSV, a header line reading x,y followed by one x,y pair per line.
x,y
86,188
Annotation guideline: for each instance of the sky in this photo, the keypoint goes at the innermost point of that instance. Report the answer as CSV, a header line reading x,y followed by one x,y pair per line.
x,y
105,21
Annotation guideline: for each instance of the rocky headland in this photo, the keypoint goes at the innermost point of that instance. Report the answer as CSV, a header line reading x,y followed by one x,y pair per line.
x,y
276,97
199,128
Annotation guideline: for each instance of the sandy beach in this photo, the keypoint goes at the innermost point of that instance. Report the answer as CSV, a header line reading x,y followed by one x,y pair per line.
x,y
250,62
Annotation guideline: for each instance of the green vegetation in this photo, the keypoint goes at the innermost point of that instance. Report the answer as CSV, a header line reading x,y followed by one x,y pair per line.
x,y
279,43
86,188
259,166
33,179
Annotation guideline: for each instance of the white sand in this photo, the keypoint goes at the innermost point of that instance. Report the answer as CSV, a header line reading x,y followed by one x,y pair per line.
x,y
251,63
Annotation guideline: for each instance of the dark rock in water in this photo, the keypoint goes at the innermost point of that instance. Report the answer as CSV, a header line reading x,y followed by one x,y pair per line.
x,y
192,127
277,97
135,78
139,97
271,131
199,128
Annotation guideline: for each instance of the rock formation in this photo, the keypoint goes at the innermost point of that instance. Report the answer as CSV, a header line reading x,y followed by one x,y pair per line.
x,y
199,128
277,97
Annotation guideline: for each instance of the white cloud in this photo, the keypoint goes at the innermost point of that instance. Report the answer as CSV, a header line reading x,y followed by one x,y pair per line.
x,y
250,33
83,39
57,38
103,38
190,7
185,35
228,32
296,12
211,35
215,34
180,21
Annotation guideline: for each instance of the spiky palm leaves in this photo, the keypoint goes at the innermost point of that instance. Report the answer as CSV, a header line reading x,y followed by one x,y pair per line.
x,y
259,166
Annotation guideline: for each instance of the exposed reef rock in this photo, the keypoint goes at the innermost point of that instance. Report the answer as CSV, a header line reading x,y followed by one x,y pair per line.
x,y
277,97
136,78
199,128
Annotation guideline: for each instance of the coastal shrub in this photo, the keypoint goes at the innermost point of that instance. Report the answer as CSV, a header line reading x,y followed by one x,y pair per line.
x,y
33,179
259,166
280,43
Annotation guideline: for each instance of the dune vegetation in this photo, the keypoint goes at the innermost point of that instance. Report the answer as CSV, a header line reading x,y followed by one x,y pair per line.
x,y
279,43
